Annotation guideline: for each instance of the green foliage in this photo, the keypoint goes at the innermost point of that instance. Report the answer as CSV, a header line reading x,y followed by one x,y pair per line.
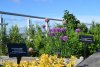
x,y
95,31
14,35
3,41
83,27
30,32
37,39
72,21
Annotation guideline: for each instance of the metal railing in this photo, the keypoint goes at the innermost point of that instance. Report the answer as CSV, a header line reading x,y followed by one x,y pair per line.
x,y
30,16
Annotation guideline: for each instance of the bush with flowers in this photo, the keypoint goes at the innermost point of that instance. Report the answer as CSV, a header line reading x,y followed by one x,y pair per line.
x,y
44,60
61,40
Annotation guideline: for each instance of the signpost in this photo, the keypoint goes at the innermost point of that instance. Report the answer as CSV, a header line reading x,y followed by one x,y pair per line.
x,y
86,40
17,50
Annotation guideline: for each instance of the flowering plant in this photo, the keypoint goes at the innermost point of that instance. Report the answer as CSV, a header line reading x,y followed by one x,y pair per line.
x,y
44,61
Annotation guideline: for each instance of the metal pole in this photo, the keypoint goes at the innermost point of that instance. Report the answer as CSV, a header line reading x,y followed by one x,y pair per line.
x,y
1,24
5,24
16,14
28,27
47,28
85,50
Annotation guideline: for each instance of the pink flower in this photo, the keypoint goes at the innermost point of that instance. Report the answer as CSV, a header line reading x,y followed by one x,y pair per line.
x,y
46,20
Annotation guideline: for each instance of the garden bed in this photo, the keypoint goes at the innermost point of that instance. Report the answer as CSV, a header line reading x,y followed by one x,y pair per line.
x,y
41,61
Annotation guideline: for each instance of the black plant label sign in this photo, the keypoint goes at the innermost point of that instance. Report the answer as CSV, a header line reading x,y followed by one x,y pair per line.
x,y
86,39
17,50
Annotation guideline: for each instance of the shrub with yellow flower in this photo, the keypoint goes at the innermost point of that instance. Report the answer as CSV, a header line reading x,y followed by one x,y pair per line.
x,y
44,61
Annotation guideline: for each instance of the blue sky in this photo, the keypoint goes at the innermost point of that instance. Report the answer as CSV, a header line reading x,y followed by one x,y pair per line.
x,y
84,10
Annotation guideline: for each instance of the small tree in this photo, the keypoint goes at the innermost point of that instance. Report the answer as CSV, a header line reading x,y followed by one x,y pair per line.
x,y
3,41
30,32
14,35
71,20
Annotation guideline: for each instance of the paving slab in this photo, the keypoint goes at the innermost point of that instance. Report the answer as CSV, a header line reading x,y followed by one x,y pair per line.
x,y
91,61
14,59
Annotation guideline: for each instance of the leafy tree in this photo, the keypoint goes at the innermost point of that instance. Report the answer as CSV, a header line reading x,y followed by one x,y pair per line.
x,y
30,32
73,46
14,35
3,41
95,31
34,39
71,21
83,27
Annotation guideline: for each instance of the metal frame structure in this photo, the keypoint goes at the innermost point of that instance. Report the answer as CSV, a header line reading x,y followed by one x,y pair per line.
x,y
30,16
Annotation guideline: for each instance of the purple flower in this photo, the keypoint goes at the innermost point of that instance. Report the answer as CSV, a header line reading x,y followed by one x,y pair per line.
x,y
64,38
53,31
61,37
56,30
43,26
57,53
62,30
52,34
77,30
50,30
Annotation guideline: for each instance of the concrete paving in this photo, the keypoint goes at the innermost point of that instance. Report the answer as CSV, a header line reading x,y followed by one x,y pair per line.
x,y
14,59
91,61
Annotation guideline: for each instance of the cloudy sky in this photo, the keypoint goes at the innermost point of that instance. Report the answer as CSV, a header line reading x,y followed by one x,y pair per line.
x,y
84,10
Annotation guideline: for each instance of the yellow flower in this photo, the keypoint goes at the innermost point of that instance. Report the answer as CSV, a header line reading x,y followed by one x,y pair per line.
x,y
44,61
73,57
57,65
68,65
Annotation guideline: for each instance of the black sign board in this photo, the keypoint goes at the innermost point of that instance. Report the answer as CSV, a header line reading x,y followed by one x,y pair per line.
x,y
17,50
86,39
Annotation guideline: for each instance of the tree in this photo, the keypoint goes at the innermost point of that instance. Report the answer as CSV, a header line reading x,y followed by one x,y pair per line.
x,y
3,41
83,27
95,31
14,35
30,32
71,20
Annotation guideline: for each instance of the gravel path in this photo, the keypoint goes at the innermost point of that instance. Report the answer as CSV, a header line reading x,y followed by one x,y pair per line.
x,y
14,59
